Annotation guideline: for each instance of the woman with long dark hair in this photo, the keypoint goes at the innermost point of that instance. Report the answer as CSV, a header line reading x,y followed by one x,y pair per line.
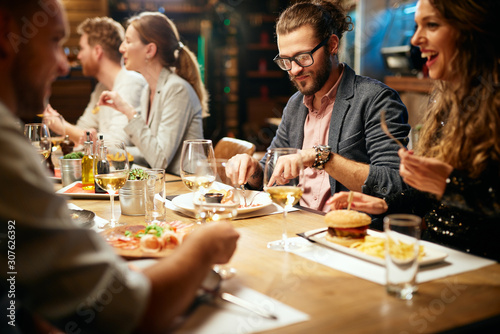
x,y
455,170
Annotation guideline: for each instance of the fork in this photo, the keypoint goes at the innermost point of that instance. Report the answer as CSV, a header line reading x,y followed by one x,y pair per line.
x,y
384,127
242,187
246,202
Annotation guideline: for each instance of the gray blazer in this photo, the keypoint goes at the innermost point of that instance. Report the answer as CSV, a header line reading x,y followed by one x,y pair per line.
x,y
355,131
175,116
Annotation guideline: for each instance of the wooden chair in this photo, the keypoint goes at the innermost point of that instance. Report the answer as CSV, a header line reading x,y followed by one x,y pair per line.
x,y
228,147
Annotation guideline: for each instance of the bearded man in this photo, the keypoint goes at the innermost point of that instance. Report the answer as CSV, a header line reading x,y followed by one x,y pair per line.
x,y
334,118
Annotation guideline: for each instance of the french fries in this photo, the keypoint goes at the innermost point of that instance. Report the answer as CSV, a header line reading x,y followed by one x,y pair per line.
x,y
120,157
375,246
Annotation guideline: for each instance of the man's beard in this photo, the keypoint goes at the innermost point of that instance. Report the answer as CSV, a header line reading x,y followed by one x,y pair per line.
x,y
89,69
319,78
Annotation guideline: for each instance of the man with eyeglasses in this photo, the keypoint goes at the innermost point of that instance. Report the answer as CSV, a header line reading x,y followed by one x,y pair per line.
x,y
334,118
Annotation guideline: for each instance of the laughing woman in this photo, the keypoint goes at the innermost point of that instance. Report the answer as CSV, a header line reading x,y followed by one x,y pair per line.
x,y
455,171
175,99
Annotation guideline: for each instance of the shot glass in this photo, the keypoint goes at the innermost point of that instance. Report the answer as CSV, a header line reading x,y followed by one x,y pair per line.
x,y
401,254
155,210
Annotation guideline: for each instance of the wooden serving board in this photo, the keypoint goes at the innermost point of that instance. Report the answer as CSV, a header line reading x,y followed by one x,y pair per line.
x,y
137,253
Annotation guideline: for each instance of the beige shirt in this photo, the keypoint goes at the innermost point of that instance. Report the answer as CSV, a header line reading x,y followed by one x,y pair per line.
x,y
108,121
316,128
66,274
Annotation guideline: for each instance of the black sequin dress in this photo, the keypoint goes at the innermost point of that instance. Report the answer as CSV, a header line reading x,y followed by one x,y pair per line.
x,y
468,216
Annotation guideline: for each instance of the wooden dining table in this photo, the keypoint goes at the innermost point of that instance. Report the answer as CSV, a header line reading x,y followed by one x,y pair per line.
x,y
338,302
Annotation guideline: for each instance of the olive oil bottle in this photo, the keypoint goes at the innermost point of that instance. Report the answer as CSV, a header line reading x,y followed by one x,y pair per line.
x,y
88,165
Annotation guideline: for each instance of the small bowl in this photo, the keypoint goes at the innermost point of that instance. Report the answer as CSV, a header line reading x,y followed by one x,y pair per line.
x,y
213,197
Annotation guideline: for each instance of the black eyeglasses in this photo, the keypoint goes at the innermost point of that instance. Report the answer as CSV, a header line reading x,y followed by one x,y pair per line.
x,y
303,59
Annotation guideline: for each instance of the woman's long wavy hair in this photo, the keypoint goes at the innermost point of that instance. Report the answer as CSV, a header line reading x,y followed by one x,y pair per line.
x,y
462,124
159,29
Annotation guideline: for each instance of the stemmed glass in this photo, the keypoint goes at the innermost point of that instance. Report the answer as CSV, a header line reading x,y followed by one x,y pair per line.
x,y
57,134
219,204
39,136
198,168
283,190
111,170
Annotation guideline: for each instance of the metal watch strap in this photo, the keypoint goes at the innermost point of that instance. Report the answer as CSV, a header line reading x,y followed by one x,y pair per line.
x,y
322,156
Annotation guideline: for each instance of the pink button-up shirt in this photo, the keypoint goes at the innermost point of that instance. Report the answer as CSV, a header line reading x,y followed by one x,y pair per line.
x,y
316,128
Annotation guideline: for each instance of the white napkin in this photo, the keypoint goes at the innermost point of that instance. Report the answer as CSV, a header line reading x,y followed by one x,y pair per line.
x,y
456,262
226,318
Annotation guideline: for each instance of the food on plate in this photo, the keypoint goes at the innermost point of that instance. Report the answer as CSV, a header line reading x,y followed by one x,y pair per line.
x,y
150,239
346,227
227,195
120,157
375,246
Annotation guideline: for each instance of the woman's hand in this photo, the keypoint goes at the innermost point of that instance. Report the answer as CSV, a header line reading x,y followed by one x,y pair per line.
x,y
115,101
360,202
424,174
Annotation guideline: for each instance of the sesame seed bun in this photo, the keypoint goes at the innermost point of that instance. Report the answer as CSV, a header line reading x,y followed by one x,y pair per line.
x,y
347,218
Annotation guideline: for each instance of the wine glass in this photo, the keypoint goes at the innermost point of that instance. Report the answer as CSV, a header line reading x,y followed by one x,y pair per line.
x,y
284,190
197,168
57,134
39,136
197,164
111,170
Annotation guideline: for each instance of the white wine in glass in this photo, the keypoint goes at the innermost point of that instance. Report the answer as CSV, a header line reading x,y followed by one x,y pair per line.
x,y
57,135
218,205
284,190
197,164
111,170
39,136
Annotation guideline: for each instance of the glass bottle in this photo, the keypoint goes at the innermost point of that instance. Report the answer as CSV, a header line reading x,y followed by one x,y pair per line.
x,y
67,145
101,164
88,165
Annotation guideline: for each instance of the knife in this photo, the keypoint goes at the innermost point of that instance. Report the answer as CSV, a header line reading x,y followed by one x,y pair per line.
x,y
247,305
312,233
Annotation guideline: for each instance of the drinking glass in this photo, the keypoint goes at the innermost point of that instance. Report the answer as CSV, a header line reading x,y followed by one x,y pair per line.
x,y
219,204
283,191
39,136
111,170
155,210
401,254
57,134
197,164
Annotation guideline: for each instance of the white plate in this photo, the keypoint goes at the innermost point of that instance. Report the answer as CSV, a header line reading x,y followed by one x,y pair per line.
x,y
185,201
64,190
431,255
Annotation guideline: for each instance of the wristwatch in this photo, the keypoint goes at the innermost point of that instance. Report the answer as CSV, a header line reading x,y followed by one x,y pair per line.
x,y
322,156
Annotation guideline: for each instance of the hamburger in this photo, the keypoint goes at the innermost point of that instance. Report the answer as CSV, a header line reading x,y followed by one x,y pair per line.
x,y
346,227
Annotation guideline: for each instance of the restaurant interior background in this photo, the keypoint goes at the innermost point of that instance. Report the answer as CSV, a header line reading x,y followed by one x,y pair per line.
x,y
235,44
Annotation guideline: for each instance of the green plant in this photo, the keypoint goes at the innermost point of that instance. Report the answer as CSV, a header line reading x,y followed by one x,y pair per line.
x,y
137,174
74,155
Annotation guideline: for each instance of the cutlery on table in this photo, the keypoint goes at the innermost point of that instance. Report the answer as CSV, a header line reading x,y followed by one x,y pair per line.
x,y
383,125
210,290
247,305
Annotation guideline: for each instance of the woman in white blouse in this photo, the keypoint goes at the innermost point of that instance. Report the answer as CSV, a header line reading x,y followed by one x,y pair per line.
x,y
175,100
